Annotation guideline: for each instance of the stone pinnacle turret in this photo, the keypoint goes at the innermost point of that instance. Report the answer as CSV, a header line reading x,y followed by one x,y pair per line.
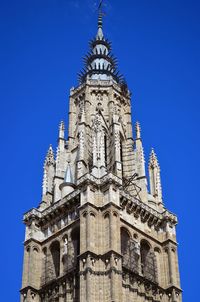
x,y
154,177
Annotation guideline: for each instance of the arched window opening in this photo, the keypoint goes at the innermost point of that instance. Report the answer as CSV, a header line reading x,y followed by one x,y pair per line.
x,y
145,248
44,265
68,254
55,252
35,249
159,268
75,237
28,249
107,230
147,261
129,251
125,239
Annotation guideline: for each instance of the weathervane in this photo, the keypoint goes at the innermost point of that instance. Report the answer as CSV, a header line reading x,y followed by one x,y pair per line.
x,y
100,6
100,11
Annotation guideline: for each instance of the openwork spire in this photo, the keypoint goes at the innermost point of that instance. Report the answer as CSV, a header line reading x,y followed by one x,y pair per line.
x,y
99,62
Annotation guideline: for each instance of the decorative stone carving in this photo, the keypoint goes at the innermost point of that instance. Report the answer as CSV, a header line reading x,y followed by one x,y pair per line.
x,y
85,240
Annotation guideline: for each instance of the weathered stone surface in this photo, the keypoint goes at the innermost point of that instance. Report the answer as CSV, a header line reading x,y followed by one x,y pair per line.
x,y
98,234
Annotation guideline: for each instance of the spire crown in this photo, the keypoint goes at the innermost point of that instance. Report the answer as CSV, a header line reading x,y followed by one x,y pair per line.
x,y
100,64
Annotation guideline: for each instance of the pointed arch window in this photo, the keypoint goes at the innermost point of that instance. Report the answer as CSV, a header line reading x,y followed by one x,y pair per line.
x,y
75,237
55,252
129,251
148,262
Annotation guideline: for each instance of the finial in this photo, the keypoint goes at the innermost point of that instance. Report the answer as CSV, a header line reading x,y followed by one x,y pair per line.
x,y
100,12
153,161
100,15
50,156
100,21
61,130
62,125
138,130
50,150
154,174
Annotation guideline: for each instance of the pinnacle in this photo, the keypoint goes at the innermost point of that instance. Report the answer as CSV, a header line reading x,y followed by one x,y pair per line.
x,y
61,129
50,150
138,130
50,156
153,161
62,125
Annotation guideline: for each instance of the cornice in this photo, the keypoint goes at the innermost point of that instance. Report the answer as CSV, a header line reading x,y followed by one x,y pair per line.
x,y
147,214
71,199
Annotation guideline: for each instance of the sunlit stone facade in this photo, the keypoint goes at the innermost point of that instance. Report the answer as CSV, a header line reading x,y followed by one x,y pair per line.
x,y
99,234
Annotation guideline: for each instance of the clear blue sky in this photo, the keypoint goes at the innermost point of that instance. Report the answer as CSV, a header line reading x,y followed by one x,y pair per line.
x,y
42,43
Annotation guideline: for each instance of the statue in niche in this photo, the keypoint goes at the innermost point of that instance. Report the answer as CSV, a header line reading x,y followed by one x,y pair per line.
x,y
98,137
67,257
65,252
137,248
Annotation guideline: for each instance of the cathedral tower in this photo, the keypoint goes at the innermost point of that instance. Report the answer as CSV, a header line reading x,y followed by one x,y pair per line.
x,y
99,234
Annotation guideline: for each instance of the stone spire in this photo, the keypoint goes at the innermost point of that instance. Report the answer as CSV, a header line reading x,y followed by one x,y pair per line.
x,y
154,176
44,183
49,160
138,130
140,163
49,164
96,220
68,175
99,62
60,148
68,185
140,159
62,130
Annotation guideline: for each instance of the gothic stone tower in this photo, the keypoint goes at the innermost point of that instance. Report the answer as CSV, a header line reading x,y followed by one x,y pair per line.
x,y
99,234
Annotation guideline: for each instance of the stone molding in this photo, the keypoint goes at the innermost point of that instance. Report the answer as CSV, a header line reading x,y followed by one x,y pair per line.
x,y
138,208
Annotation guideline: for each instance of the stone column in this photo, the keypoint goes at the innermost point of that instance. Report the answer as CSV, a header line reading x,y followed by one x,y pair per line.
x,y
88,231
88,281
113,281
171,272
112,233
